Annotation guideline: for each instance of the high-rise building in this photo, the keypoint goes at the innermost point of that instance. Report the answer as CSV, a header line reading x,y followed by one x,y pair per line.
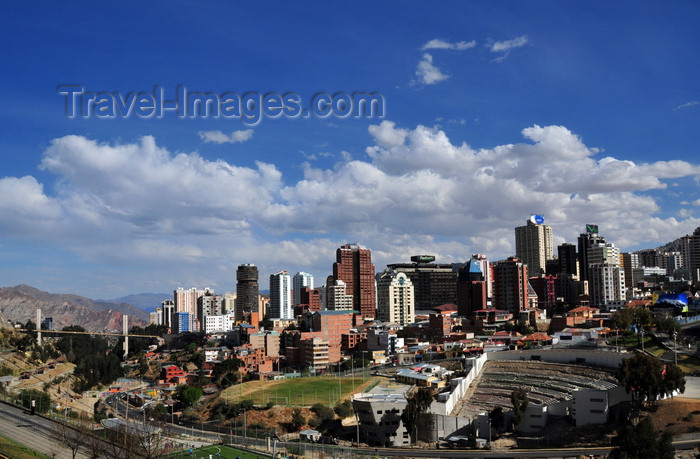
x,y
568,260
246,291
510,285
395,298
281,296
434,284
208,304
534,244
586,240
606,284
690,253
354,266
471,288
337,297
301,280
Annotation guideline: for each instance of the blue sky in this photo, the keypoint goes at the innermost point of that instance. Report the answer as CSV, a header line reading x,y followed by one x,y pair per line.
x,y
586,112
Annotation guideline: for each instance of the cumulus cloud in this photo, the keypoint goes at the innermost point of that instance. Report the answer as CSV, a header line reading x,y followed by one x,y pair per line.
x,y
137,203
220,137
427,73
437,43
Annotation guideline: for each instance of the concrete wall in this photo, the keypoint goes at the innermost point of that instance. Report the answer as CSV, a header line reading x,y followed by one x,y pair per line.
x,y
445,402
606,359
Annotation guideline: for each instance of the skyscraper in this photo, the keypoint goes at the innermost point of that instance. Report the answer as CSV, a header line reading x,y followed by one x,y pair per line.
x,y
434,284
568,260
354,266
471,287
301,280
247,291
280,296
395,298
585,241
510,285
534,245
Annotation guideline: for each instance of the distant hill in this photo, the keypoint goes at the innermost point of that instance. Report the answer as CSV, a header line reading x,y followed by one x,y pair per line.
x,y
19,304
146,301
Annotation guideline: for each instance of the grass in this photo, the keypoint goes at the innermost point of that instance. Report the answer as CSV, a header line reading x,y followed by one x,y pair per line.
x,y
226,453
297,391
9,448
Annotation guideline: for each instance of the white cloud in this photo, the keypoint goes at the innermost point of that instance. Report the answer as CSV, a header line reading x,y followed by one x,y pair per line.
x,y
427,73
437,43
138,204
220,137
696,202
505,46
691,103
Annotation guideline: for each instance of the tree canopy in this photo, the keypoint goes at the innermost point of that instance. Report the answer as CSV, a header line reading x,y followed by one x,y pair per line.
x,y
188,395
520,402
642,442
648,378
418,403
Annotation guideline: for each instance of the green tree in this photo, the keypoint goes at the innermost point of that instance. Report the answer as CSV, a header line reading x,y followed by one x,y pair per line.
x,y
323,412
188,395
673,380
298,419
642,442
497,418
669,325
642,375
418,403
226,373
344,409
520,402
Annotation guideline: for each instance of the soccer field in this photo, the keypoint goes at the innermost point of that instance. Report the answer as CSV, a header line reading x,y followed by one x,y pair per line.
x,y
298,391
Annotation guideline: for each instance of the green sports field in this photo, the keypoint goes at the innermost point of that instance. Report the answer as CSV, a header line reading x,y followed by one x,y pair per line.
x,y
216,452
298,391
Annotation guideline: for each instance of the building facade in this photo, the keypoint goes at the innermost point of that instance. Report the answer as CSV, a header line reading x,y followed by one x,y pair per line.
x,y
354,266
280,296
301,280
247,291
534,244
395,302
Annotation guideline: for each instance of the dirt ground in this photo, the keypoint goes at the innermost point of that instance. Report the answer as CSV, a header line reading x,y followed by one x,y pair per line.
x,y
679,415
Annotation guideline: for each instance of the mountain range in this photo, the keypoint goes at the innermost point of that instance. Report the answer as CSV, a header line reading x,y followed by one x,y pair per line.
x,y
19,304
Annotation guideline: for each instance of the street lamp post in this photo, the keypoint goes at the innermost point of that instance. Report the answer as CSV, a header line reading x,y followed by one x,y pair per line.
x,y
675,348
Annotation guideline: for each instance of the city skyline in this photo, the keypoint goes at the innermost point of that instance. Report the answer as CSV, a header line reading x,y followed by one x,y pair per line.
x,y
491,112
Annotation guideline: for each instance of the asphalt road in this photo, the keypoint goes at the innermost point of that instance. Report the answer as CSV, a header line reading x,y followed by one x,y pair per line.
x,y
32,431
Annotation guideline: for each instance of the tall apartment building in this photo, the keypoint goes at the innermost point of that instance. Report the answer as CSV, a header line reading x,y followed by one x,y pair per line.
x,y
630,265
186,300
690,253
434,284
510,285
337,298
247,290
471,288
301,280
208,304
354,266
280,296
395,298
568,260
606,284
586,240
534,244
